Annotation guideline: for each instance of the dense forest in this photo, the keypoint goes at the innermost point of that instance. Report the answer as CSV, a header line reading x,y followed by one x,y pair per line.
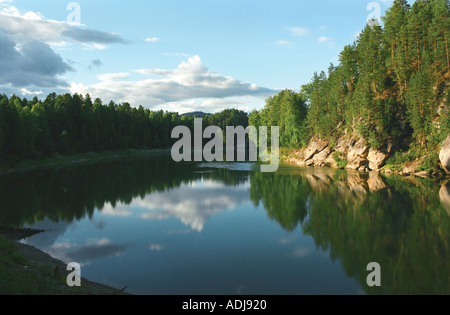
x,y
66,124
391,85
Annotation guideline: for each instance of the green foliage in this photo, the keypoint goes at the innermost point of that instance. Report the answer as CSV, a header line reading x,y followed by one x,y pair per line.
x,y
391,84
8,253
286,110
341,162
72,124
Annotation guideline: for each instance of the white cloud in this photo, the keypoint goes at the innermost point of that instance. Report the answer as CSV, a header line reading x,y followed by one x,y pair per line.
x,y
298,31
27,92
191,80
151,39
284,43
324,39
178,54
25,26
27,58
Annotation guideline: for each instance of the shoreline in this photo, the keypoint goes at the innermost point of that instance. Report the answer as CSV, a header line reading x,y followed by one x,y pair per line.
x,y
292,157
70,160
29,271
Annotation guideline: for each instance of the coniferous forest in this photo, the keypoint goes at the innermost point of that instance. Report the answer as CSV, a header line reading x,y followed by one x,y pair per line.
x,y
66,124
391,85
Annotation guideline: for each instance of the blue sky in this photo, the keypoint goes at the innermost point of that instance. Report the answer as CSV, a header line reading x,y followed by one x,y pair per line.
x,y
176,55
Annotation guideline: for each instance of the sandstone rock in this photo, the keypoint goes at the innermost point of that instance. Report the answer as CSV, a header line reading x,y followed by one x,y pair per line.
x,y
330,162
444,156
376,159
309,162
342,146
357,163
314,147
359,150
319,159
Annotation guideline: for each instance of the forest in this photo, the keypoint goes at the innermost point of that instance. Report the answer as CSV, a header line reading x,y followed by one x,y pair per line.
x,y
70,124
391,85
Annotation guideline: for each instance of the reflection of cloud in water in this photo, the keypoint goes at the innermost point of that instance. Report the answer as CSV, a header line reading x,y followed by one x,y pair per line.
x,y
92,249
53,230
192,205
156,247
287,240
118,211
301,252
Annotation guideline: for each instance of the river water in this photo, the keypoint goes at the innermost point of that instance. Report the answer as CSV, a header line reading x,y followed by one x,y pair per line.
x,y
161,227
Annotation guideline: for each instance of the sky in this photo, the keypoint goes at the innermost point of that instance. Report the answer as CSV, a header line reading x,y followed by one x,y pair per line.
x,y
174,55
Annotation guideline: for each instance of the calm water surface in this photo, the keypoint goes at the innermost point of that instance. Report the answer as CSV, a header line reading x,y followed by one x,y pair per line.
x,y
160,227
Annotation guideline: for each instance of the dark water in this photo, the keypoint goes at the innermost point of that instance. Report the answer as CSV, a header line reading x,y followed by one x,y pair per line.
x,y
161,227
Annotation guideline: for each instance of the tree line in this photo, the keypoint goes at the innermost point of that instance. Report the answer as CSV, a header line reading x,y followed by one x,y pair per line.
x,y
70,124
392,84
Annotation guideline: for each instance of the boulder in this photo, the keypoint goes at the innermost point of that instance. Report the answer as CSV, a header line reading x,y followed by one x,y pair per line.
x,y
444,156
376,159
358,163
314,147
309,162
342,146
319,159
330,162
359,150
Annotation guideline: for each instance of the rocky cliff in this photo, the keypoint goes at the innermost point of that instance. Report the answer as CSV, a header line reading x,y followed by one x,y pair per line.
x,y
353,152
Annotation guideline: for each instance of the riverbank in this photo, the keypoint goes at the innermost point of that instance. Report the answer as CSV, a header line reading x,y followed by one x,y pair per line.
x,y
25,270
354,153
67,160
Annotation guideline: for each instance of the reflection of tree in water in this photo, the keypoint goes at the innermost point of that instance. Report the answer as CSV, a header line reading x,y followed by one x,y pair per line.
x,y
72,193
361,218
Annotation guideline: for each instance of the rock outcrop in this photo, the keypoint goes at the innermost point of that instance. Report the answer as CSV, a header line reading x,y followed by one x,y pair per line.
x,y
444,156
357,156
377,157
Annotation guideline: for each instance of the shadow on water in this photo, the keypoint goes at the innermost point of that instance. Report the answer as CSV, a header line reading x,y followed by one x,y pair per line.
x,y
403,224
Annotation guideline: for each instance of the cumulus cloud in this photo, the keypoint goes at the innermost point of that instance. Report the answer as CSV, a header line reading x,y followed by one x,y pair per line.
x,y
32,63
298,30
190,80
21,26
151,39
27,59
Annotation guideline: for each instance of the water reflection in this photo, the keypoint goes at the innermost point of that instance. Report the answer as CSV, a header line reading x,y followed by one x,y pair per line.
x,y
444,194
403,224
361,218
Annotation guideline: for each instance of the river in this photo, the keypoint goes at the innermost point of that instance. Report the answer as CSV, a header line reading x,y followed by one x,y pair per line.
x,y
161,227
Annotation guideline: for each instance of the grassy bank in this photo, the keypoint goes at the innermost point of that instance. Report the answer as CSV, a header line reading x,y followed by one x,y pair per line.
x,y
65,160
24,270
